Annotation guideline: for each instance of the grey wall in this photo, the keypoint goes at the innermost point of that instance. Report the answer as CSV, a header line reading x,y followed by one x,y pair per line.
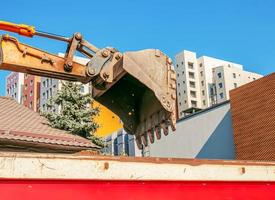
x,y
120,143
207,134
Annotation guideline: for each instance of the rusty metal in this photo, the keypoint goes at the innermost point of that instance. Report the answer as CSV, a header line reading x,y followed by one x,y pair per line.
x,y
72,47
140,89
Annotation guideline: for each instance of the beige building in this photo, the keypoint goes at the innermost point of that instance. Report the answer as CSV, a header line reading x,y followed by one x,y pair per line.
x,y
205,81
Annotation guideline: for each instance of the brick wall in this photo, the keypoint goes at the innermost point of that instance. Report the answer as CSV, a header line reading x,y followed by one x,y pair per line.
x,y
253,116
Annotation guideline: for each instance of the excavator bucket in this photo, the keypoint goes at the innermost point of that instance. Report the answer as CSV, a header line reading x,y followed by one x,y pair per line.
x,y
142,94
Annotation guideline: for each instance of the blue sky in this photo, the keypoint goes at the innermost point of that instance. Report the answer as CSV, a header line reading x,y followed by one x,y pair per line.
x,y
241,31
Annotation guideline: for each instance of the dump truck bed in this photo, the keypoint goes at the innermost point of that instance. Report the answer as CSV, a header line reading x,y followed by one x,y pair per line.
x,y
58,176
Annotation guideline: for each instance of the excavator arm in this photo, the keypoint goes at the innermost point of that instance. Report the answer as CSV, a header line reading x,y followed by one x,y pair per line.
x,y
140,86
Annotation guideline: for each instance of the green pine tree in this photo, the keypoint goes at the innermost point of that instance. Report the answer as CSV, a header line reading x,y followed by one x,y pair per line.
x,y
76,113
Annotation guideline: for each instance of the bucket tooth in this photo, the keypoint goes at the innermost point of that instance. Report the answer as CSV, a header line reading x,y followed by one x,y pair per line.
x,y
139,142
158,132
151,136
173,127
165,128
144,139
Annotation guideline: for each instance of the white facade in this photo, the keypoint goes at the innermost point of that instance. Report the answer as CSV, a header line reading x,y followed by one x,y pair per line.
x,y
14,86
198,82
226,78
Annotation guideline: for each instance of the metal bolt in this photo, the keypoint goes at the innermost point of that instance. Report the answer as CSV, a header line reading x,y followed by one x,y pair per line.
x,y
90,71
118,56
105,53
78,36
105,75
173,96
68,66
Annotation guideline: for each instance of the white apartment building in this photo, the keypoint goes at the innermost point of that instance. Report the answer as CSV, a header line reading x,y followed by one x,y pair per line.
x,y
205,81
14,86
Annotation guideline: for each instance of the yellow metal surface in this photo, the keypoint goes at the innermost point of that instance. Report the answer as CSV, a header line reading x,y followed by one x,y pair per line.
x,y
107,120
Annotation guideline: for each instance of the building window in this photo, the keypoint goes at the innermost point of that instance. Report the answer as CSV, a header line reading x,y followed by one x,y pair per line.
x,y
200,64
178,84
221,95
183,82
190,65
202,92
220,85
8,91
219,75
193,94
191,75
192,84
194,103
31,82
26,86
178,75
180,103
254,79
54,86
82,88
44,84
51,92
234,75
204,103
177,65
43,95
212,91
51,81
185,101
235,85
15,95
31,93
47,81
202,83
30,104
182,63
201,72
47,94
179,94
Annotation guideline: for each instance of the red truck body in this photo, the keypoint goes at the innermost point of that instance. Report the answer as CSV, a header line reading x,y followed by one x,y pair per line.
x,y
58,176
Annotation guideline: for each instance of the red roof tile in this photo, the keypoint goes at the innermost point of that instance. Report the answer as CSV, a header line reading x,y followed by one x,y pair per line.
x,y
18,123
